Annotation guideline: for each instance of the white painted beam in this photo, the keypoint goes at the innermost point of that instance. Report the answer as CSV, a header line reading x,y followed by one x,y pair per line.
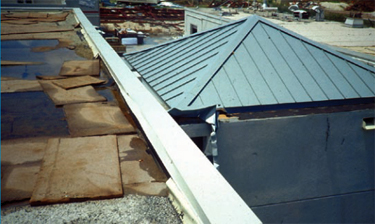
x,y
210,195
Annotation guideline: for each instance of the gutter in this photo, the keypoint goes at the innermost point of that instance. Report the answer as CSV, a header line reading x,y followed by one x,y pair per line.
x,y
211,197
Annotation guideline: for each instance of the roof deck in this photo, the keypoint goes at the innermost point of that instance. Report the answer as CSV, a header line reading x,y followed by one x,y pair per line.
x,y
67,135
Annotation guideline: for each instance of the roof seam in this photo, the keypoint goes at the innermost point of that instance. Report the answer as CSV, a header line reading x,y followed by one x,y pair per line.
x,y
247,80
265,81
373,91
350,84
216,36
189,74
177,87
303,64
231,84
332,82
287,89
186,56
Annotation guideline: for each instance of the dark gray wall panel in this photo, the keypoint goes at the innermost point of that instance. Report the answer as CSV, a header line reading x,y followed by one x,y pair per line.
x,y
349,208
294,158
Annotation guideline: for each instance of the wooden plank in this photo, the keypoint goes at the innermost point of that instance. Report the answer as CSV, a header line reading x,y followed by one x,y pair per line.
x,y
89,119
61,96
75,68
16,63
140,174
8,78
18,15
20,21
14,29
50,77
75,169
10,86
58,16
137,166
17,182
22,151
38,15
77,82
20,164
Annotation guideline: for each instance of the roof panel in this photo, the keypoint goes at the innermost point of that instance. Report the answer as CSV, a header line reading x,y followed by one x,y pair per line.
x,y
253,75
366,76
309,62
209,96
225,90
172,78
283,70
143,57
238,79
267,70
197,103
311,91
203,55
333,73
351,76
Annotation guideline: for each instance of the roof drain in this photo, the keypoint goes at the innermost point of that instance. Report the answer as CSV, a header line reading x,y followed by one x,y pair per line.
x,y
211,146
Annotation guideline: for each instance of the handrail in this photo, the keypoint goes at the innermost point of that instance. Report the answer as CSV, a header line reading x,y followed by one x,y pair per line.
x,y
211,196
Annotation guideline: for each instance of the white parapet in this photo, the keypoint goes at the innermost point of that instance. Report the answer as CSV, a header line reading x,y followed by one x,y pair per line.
x,y
211,197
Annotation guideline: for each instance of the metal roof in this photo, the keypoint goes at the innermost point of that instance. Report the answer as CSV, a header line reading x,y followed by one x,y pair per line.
x,y
251,62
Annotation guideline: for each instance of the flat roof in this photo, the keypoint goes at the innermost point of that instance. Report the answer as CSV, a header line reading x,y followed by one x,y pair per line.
x,y
37,110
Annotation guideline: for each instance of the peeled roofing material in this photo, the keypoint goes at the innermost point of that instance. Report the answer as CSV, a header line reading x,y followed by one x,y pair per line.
x,y
78,168
250,62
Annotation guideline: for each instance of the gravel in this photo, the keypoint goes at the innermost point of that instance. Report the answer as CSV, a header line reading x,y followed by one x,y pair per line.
x,y
130,209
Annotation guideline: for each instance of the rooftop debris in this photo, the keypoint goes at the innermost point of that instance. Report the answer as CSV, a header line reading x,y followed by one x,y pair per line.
x,y
74,68
134,153
61,96
75,82
78,168
20,163
143,12
89,119
88,175
15,63
10,86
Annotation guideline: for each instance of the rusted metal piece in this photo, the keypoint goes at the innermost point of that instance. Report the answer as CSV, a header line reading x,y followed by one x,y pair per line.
x,y
141,13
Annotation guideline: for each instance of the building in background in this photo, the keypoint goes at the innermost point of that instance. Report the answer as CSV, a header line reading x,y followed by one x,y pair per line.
x,y
288,121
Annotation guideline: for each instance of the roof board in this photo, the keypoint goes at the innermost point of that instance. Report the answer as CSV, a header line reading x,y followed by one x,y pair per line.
x,y
251,62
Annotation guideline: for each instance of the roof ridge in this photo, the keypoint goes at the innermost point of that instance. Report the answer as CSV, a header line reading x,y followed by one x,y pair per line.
x,y
184,38
248,24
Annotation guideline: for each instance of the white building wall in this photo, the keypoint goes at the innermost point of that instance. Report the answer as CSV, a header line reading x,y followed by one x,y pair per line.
x,y
202,21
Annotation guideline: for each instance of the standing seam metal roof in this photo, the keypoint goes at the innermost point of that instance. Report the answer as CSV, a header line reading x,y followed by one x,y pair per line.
x,y
250,62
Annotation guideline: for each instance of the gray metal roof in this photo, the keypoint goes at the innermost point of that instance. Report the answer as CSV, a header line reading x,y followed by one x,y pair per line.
x,y
251,62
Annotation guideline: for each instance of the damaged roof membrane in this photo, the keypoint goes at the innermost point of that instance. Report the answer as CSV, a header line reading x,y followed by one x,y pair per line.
x,y
250,63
